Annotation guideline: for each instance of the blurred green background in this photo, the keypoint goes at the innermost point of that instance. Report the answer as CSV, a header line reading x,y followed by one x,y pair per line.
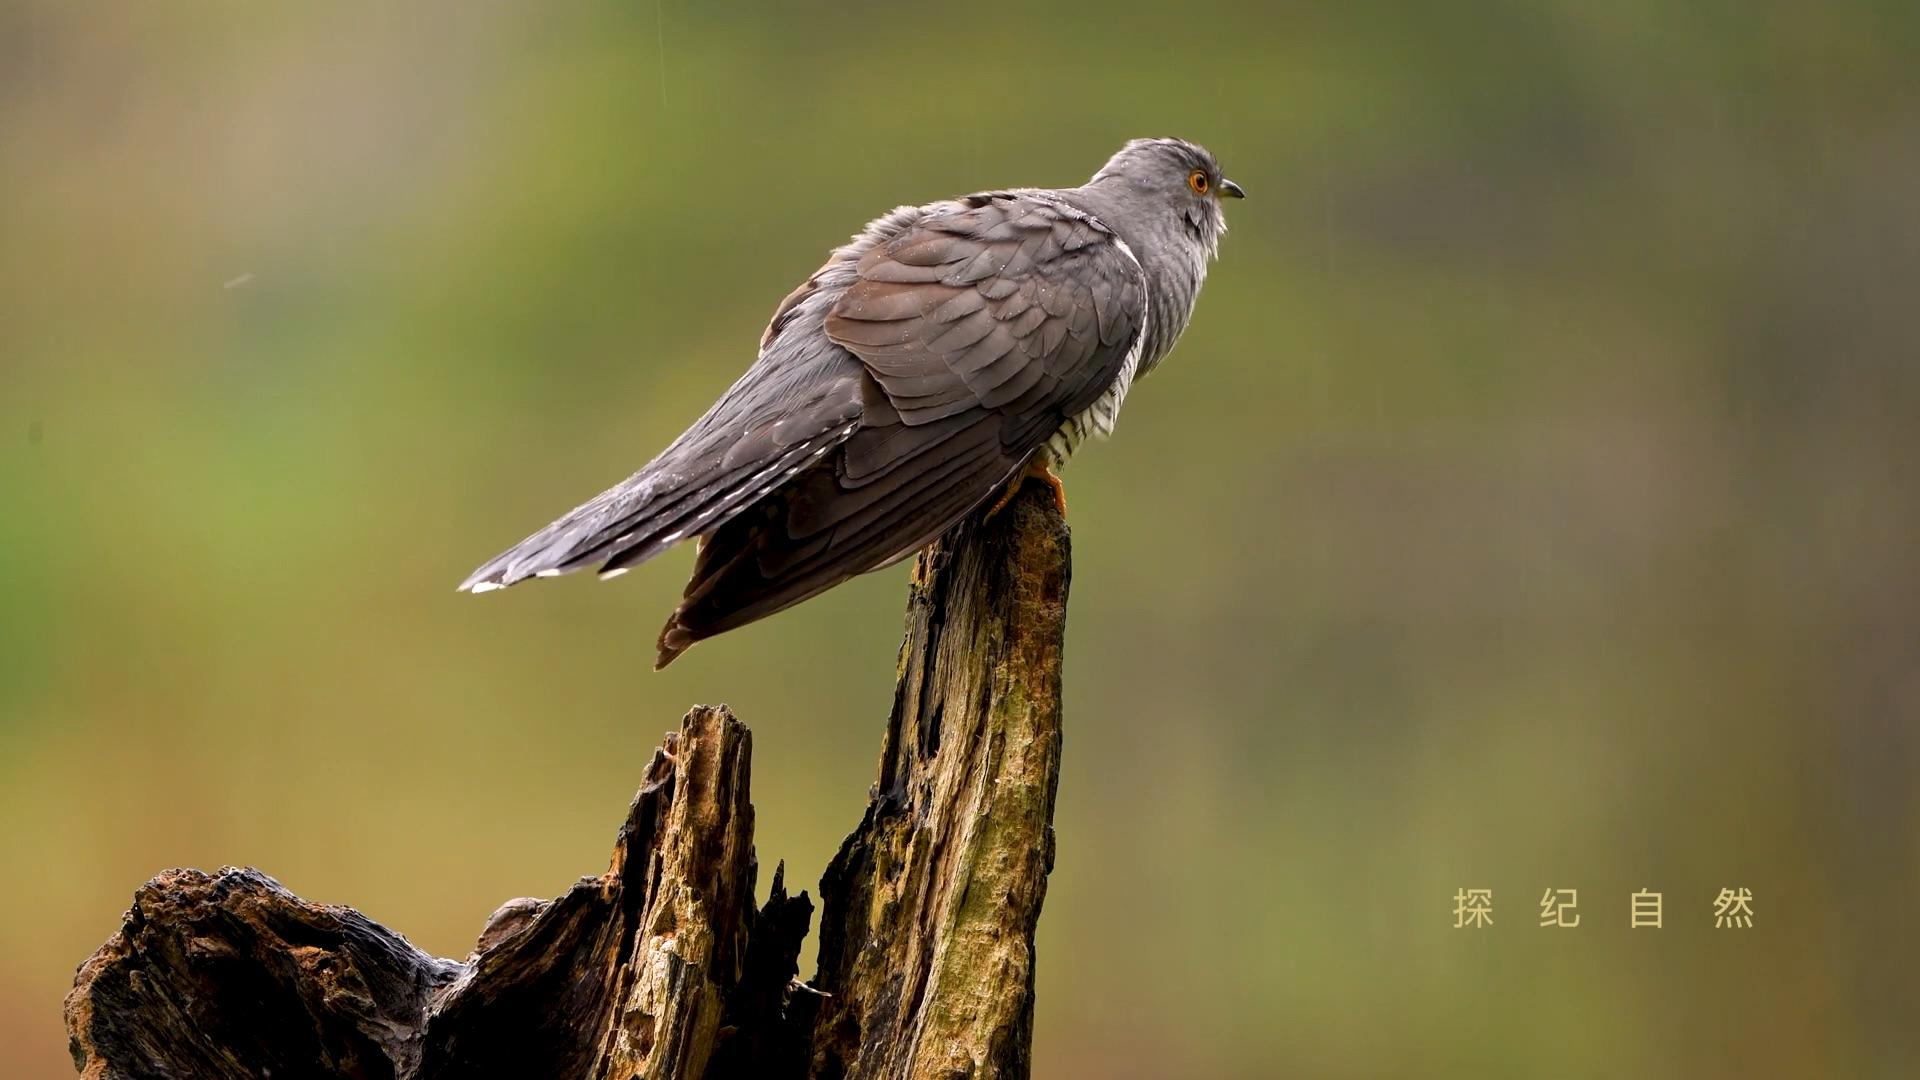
x,y
1531,505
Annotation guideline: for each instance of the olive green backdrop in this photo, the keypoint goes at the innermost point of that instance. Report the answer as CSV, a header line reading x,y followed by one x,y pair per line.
x,y
1532,504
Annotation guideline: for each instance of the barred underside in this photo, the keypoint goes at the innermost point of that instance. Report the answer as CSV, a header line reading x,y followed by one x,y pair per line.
x,y
1099,418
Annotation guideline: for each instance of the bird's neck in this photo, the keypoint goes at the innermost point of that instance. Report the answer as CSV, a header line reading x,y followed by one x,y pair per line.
x,y
1174,263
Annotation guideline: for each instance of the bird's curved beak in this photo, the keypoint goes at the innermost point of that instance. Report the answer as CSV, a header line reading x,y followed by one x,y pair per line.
x,y
1230,189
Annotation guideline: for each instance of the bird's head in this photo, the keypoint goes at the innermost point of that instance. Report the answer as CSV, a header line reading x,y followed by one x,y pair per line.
x,y
1172,177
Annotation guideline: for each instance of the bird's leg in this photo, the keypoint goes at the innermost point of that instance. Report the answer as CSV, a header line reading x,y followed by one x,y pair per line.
x,y
1043,472
1038,468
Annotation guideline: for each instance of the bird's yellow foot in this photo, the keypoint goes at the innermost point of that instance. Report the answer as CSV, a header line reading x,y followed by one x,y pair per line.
x,y
1037,469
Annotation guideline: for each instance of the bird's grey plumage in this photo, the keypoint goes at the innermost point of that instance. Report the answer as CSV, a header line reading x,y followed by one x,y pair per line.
x,y
904,384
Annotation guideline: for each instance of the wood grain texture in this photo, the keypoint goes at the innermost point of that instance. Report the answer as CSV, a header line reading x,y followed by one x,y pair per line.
x,y
661,967
926,938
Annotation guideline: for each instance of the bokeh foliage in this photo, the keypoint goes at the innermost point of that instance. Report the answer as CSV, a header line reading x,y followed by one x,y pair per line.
x,y
1532,504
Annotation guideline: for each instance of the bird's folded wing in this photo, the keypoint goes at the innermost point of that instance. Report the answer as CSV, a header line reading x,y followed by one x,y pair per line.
x,y
1006,305
985,325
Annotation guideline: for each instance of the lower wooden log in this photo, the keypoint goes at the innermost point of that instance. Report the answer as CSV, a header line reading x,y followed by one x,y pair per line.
x,y
662,967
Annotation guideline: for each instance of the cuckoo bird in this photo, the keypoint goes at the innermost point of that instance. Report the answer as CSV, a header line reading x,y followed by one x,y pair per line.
x,y
941,357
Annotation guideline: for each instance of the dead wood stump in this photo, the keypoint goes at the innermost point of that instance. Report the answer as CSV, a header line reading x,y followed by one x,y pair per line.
x,y
662,967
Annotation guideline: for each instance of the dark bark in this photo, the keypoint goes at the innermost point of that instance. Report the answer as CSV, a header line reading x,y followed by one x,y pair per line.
x,y
661,967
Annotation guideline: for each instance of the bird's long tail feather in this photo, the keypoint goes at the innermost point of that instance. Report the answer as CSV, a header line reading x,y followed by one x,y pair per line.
x,y
646,514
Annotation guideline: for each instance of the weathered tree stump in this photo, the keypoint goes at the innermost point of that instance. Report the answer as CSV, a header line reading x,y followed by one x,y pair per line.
x,y
662,967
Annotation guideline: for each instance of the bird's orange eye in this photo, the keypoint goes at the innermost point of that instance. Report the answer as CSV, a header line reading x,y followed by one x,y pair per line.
x,y
1197,180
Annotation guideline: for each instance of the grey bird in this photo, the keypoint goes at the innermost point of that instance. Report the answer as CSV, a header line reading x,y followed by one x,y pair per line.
x,y
941,357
